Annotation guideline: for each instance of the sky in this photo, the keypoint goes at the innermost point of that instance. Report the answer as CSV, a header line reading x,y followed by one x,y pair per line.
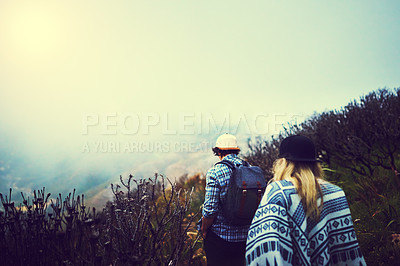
x,y
92,88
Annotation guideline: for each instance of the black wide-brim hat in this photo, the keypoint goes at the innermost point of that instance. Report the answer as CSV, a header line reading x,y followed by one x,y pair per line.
x,y
298,149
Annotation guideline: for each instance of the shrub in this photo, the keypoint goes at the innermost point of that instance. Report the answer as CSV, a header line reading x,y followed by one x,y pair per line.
x,y
149,223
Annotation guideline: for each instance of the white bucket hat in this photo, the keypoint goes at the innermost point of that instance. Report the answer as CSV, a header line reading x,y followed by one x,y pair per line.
x,y
226,142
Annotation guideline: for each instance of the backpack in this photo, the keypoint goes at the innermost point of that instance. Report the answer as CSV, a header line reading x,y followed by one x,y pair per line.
x,y
246,188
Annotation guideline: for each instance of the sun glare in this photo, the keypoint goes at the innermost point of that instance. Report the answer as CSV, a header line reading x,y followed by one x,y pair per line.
x,y
32,30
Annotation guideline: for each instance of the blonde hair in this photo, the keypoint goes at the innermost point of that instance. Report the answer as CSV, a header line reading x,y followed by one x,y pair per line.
x,y
304,176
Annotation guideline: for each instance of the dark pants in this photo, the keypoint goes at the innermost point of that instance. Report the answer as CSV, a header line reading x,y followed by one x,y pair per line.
x,y
221,252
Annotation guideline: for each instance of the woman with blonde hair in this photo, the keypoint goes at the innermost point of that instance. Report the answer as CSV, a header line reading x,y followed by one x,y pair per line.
x,y
302,219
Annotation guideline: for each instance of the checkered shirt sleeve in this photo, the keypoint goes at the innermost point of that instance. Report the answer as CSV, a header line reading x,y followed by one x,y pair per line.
x,y
217,180
215,176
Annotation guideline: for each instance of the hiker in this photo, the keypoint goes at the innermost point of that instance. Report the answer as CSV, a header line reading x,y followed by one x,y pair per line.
x,y
294,225
224,244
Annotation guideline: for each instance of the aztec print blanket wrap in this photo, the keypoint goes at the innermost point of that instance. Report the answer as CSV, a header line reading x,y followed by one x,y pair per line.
x,y
281,234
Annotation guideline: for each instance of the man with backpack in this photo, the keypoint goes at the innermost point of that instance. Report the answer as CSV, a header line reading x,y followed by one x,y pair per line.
x,y
233,192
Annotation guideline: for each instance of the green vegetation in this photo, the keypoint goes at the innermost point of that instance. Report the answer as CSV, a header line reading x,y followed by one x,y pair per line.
x,y
150,222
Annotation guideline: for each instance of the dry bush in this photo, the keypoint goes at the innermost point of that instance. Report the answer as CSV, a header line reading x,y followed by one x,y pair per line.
x,y
148,223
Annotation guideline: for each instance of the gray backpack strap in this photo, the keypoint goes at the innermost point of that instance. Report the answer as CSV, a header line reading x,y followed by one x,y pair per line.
x,y
231,165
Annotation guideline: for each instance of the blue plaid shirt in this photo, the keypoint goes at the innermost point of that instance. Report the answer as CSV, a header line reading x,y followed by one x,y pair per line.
x,y
217,181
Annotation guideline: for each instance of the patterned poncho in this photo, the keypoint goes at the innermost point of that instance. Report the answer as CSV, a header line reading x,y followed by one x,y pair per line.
x,y
281,234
